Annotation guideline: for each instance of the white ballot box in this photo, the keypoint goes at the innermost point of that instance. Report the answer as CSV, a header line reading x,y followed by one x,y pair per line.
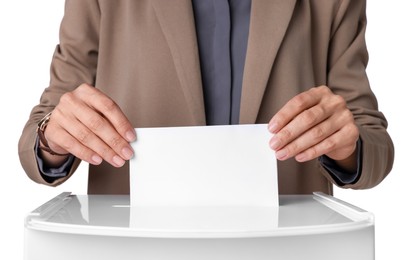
x,y
101,227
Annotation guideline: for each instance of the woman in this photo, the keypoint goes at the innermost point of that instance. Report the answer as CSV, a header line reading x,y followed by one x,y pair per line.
x,y
297,65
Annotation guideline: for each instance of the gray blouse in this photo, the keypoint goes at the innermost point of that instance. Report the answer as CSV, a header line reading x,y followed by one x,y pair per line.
x,y
222,28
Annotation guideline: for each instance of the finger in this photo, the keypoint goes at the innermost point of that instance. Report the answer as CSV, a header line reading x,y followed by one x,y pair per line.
x,y
308,139
69,144
300,124
92,130
89,139
292,108
109,109
95,132
341,143
98,126
95,109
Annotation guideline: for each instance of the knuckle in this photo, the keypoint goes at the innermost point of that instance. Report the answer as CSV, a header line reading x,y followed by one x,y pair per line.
x,y
330,144
299,101
85,91
339,101
353,131
83,87
105,152
83,136
67,98
66,144
96,123
279,118
312,152
115,141
324,89
318,133
108,104
293,149
348,115
123,125
285,134
309,117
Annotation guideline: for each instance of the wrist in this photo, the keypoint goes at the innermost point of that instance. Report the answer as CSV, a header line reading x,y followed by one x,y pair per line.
x,y
41,127
49,160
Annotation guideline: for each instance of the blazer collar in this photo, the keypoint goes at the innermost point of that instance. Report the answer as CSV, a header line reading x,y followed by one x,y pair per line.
x,y
268,24
177,22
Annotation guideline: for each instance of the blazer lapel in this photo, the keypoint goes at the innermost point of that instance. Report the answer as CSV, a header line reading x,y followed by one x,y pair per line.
x,y
268,25
177,21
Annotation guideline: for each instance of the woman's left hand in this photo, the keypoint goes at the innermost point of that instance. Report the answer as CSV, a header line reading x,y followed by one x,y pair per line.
x,y
314,123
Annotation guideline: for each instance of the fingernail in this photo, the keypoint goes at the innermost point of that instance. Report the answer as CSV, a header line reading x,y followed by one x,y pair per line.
x,y
281,155
127,153
130,135
274,143
96,159
272,127
118,161
300,157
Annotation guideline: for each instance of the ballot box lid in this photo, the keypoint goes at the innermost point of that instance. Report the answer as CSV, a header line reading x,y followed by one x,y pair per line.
x,y
112,215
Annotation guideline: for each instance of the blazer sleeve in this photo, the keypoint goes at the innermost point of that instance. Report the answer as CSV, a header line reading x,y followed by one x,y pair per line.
x,y
74,62
348,58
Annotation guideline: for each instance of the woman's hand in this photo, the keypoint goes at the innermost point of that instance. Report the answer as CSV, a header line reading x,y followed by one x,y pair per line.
x,y
314,123
89,125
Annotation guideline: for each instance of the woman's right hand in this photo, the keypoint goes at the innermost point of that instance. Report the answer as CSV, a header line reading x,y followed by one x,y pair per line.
x,y
89,125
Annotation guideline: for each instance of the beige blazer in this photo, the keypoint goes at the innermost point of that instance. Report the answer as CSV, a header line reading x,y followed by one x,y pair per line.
x,y
144,55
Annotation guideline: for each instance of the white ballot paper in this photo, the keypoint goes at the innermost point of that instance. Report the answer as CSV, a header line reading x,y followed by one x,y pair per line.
x,y
203,166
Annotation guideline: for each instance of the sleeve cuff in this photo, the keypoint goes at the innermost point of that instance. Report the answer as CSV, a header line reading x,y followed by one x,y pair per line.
x,y
51,174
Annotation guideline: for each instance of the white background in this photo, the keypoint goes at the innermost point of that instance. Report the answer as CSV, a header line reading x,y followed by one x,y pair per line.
x,y
29,33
